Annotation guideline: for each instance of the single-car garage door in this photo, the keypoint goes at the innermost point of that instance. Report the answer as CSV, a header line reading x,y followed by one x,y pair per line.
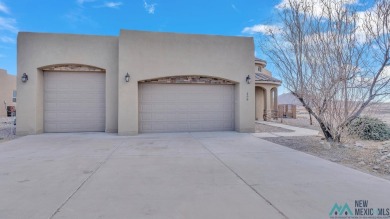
x,y
185,107
74,101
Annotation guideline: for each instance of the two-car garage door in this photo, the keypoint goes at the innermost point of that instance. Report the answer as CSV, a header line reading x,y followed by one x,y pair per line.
x,y
185,107
74,101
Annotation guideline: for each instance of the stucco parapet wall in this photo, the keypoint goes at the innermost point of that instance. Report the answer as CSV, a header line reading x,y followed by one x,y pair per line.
x,y
261,62
183,54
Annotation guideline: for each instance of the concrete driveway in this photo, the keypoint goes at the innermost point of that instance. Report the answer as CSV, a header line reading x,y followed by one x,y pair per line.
x,y
188,175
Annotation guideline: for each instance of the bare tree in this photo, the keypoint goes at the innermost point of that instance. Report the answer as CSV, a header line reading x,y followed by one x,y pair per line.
x,y
333,58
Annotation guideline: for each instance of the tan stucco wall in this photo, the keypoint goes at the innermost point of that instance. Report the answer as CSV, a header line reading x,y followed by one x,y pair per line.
x,y
263,69
7,86
36,50
146,55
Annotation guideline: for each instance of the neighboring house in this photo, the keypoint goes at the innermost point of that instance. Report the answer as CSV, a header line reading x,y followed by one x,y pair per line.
x,y
7,92
266,91
139,82
288,98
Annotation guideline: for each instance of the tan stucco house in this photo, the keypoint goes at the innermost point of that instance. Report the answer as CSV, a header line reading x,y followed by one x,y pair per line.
x,y
7,91
266,91
137,82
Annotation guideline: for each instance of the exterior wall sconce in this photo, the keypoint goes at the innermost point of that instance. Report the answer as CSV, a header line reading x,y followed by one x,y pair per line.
x,y
248,79
127,77
24,78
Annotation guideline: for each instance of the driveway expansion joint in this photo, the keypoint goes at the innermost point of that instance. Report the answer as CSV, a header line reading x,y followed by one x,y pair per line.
x,y
86,179
238,176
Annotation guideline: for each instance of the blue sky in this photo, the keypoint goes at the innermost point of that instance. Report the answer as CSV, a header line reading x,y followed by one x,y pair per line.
x,y
99,17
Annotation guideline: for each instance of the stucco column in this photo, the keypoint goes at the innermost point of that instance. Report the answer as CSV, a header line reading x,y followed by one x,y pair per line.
x,y
267,107
268,101
275,98
272,99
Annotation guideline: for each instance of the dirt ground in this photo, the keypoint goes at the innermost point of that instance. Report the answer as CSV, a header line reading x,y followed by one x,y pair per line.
x,y
372,157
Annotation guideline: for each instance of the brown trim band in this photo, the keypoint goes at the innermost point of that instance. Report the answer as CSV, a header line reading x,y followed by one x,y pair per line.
x,y
191,79
72,67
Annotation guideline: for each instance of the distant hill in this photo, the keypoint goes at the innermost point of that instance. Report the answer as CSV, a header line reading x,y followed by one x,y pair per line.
x,y
288,98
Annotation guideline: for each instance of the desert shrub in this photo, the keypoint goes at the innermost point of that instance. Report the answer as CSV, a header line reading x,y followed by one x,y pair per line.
x,y
367,128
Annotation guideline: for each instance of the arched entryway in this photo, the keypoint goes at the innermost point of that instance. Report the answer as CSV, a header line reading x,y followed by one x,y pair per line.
x,y
261,102
266,102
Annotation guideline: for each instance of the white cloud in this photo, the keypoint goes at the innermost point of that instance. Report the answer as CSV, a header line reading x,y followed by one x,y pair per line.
x,y
285,3
235,7
8,24
261,28
150,8
81,2
318,6
386,72
317,11
369,19
4,8
112,4
5,39
77,16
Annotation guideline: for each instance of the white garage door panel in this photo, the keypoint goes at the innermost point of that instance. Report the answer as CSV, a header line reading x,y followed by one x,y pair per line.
x,y
186,107
74,102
